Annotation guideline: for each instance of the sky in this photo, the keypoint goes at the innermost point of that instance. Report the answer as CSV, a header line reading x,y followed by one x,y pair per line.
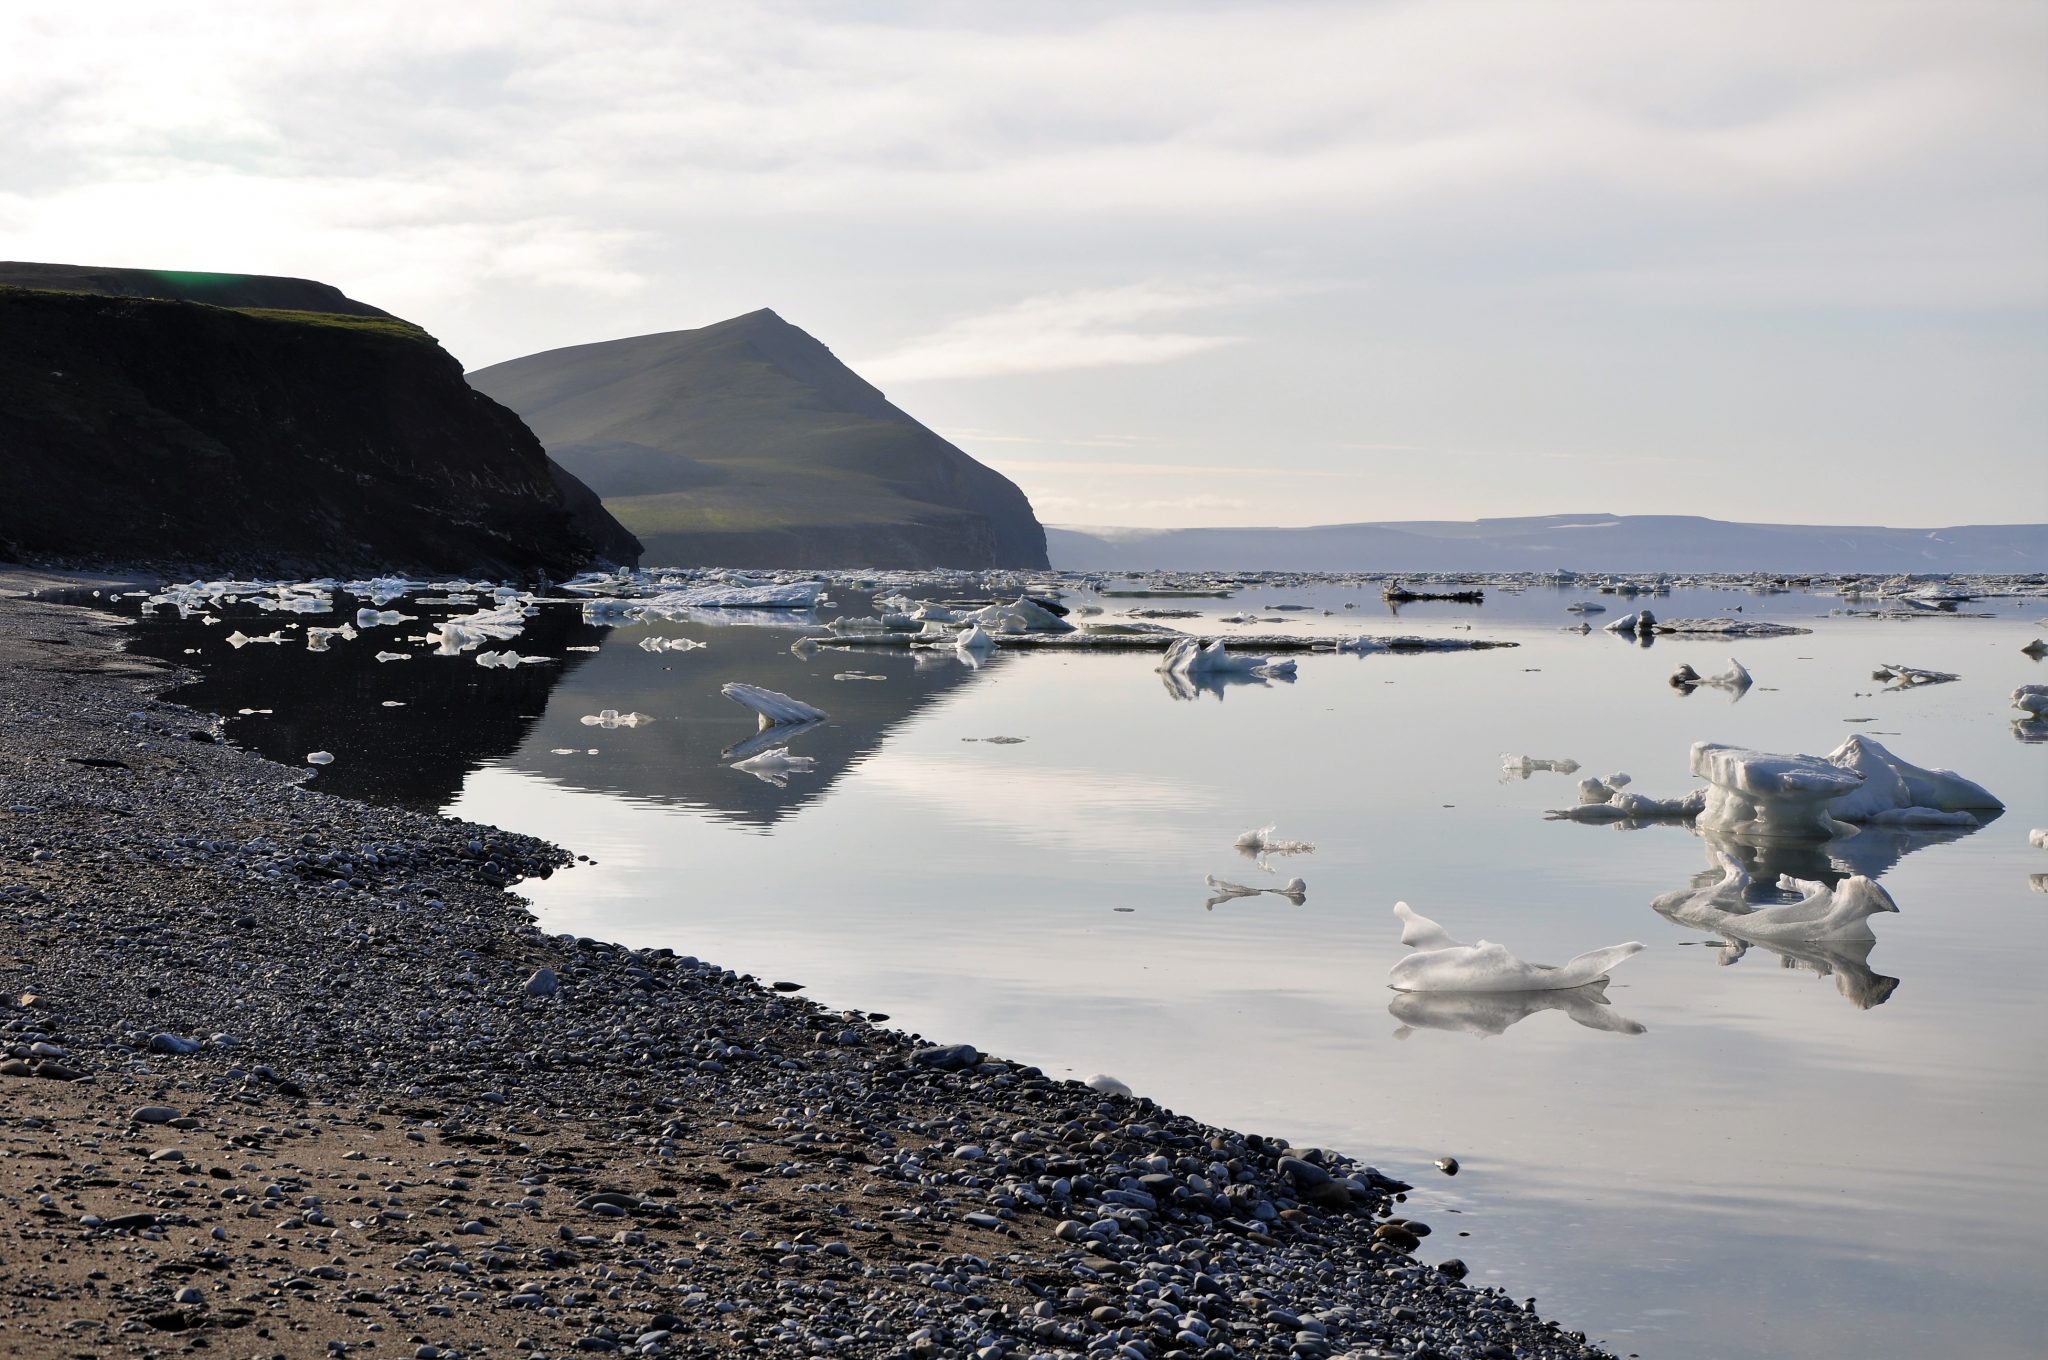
x,y
1162,264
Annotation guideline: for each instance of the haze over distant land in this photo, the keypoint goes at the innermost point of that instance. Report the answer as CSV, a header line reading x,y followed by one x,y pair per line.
x,y
1591,543
1245,261
747,444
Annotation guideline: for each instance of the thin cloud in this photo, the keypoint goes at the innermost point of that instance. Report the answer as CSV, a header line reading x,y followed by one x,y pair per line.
x,y
1098,328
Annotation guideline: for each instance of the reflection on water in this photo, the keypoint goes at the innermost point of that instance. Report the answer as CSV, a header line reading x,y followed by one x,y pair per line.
x,y
1039,899
1490,1013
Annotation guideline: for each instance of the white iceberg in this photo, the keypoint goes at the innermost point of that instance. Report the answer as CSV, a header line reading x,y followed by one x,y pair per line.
x,y
1107,1085
394,656
1753,793
471,631
770,706
1188,656
1441,964
1024,615
1259,843
2031,699
975,640
790,595
2038,839
320,757
1894,790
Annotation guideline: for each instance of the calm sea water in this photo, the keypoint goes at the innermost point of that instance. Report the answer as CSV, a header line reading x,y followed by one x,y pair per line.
x,y
1830,1153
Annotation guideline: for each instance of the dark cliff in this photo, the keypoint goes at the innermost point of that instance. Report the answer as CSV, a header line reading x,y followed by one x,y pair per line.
x,y
748,444
331,440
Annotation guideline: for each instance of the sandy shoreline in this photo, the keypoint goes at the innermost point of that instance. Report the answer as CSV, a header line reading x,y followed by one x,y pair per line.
x,y
414,1125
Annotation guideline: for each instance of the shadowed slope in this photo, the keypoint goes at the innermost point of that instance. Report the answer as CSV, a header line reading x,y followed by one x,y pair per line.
x,y
747,443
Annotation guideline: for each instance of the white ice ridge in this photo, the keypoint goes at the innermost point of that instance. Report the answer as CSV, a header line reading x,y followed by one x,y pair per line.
x,y
771,707
1262,842
1842,912
1189,657
774,766
1441,964
471,631
2031,699
610,719
1524,766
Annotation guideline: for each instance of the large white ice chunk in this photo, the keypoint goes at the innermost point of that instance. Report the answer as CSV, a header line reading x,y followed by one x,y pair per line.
x,y
770,706
1758,794
1895,791
471,631
2031,699
792,595
1441,964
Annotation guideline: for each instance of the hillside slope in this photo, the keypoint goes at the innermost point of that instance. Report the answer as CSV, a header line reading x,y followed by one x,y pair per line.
x,y
1591,542
266,441
747,443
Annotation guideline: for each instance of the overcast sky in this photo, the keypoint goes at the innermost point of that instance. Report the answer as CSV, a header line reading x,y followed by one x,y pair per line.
x,y
1190,263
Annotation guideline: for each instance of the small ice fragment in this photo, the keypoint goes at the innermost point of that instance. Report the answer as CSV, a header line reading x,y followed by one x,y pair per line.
x,y
580,648
319,757
1524,766
1261,841
562,751
2038,839
774,766
858,675
611,718
770,706
394,703
1107,1085
975,640
394,656
1222,887
1441,964
2031,699
381,618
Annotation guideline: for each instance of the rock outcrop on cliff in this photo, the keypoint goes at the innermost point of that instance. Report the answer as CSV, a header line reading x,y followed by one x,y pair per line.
x,y
325,438
748,443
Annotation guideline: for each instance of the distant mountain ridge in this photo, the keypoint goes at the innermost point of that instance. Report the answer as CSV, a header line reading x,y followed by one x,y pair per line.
x,y
1578,542
747,443
323,436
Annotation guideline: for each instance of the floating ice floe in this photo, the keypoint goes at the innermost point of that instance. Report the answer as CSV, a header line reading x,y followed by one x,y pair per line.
x,y
1024,615
1521,767
674,644
318,638
1725,627
1735,678
2031,700
1636,624
788,595
975,640
1896,676
2038,839
508,660
857,675
320,757
1222,890
1188,656
1441,964
774,766
610,719
1841,912
1585,607
770,706
1490,1013
1261,842
394,656
238,639
382,618
471,631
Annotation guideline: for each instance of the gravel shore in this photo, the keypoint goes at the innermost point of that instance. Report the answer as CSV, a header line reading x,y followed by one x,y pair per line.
x,y
287,1075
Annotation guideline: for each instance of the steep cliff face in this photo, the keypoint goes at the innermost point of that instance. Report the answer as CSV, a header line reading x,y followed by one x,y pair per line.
x,y
748,444
282,442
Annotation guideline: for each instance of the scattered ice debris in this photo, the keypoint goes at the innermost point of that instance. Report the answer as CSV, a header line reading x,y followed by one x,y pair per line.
x,y
394,656
508,660
1637,624
1841,912
1261,842
382,618
1906,677
774,766
238,639
1490,1013
790,595
674,644
320,757
610,719
1441,964
318,638
1107,1085
771,707
1521,767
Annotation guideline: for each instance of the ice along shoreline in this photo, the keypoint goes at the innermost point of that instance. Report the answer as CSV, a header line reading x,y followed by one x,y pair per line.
x,y
325,1064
